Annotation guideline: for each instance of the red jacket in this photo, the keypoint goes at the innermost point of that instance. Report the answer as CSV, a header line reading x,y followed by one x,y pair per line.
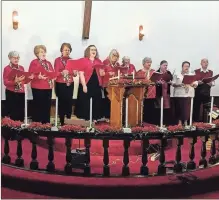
x,y
87,66
10,85
59,67
126,70
36,67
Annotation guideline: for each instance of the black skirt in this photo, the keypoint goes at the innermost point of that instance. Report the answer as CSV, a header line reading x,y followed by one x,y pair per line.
x,y
15,105
82,107
182,108
64,94
106,105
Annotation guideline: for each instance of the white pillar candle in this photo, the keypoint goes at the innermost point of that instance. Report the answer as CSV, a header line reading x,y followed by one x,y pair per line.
x,y
25,105
212,103
91,105
191,111
56,115
161,112
133,75
126,112
119,74
137,114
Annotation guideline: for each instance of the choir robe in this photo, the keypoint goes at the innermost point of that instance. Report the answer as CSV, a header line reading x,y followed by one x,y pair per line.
x,y
202,93
14,98
149,101
124,70
42,92
94,90
63,89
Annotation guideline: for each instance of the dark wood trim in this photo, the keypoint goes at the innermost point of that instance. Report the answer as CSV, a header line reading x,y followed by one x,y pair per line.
x,y
87,19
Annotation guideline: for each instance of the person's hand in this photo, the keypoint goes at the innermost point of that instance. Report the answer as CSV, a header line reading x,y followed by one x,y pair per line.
x,y
210,84
102,72
64,72
31,77
85,89
43,77
161,82
111,73
200,82
75,73
19,79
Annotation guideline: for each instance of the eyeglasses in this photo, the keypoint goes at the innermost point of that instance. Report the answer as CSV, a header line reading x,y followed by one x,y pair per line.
x,y
93,49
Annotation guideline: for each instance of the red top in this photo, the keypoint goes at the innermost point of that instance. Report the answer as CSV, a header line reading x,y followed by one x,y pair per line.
x,y
87,66
59,66
126,70
36,67
151,93
10,85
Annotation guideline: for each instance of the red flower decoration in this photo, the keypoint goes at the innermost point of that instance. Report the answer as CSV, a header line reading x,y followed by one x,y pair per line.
x,y
38,126
72,128
175,128
145,129
107,129
202,126
216,122
7,122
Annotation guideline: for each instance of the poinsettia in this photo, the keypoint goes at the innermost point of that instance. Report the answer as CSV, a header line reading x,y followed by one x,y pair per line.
x,y
104,128
202,126
216,122
7,122
38,126
175,128
72,128
145,129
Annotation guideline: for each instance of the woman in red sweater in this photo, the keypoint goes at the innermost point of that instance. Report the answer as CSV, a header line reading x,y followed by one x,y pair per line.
x,y
90,85
64,85
41,85
14,91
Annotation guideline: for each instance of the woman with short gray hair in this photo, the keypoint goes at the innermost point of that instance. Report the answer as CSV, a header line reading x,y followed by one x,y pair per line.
x,y
14,91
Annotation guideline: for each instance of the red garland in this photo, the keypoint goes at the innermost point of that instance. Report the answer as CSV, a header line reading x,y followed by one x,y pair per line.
x,y
129,82
145,129
106,128
175,128
202,126
39,126
7,122
72,128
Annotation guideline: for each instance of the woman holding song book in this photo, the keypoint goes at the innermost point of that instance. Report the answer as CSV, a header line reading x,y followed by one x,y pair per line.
x,y
14,91
41,85
90,85
64,85
183,93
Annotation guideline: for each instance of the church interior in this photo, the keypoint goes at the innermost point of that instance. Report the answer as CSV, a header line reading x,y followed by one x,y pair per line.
x,y
110,129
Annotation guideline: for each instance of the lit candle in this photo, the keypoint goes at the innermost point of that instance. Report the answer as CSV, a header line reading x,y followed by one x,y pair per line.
x,y
119,74
56,116
161,112
91,104
25,99
133,75
212,103
191,111
126,112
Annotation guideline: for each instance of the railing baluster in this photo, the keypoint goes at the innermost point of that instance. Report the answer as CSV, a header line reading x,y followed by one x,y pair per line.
x,y
217,155
191,164
144,169
125,168
203,160
87,157
50,166
34,163
106,169
68,166
212,159
19,161
178,165
6,158
161,168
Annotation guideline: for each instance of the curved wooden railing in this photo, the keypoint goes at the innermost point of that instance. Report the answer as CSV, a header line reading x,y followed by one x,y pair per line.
x,y
193,136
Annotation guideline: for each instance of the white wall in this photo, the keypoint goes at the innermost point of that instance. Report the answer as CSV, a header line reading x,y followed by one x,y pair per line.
x,y
175,31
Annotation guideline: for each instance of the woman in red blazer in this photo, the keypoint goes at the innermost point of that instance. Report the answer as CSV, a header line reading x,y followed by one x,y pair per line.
x,y
64,85
41,85
127,67
14,91
90,85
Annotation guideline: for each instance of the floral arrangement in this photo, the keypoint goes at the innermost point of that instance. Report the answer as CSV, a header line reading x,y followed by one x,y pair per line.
x,y
38,126
7,122
216,122
202,126
104,128
175,128
72,128
145,129
130,82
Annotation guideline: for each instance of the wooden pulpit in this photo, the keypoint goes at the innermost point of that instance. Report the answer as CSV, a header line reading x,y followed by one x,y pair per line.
x,y
117,95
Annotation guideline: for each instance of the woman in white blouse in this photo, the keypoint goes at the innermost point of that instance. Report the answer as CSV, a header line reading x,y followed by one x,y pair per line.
x,y
183,94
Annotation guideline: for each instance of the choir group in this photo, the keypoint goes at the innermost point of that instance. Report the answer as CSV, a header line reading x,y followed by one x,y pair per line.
x,y
93,83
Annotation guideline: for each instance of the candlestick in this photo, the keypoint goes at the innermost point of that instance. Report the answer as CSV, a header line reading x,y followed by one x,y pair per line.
x,y
56,115
91,105
25,101
119,74
212,103
126,112
191,111
161,112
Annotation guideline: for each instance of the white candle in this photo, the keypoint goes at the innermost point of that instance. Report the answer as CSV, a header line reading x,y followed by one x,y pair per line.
x,y
212,103
191,111
126,113
56,116
91,105
25,101
119,74
161,112
133,75
137,113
